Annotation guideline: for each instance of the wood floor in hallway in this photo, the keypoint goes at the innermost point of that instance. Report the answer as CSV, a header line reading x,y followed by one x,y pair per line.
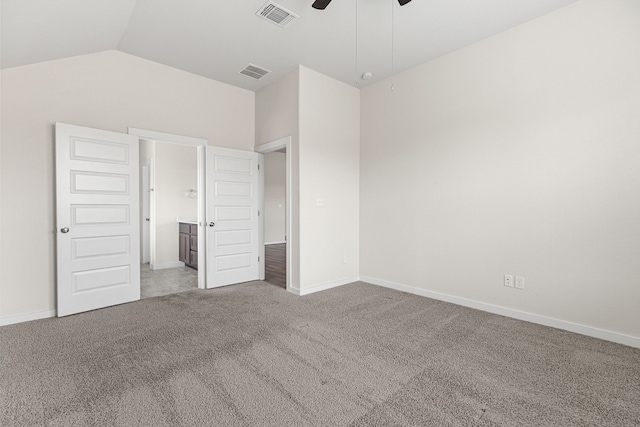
x,y
275,268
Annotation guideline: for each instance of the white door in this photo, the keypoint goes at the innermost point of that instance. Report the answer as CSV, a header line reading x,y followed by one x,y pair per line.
x,y
98,234
233,244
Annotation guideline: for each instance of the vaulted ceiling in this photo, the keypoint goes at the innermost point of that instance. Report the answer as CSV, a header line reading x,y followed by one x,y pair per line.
x,y
216,38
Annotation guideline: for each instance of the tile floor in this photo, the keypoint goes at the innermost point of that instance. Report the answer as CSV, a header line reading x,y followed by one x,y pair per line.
x,y
154,283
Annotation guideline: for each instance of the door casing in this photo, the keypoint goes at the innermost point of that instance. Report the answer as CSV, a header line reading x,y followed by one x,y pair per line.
x,y
145,218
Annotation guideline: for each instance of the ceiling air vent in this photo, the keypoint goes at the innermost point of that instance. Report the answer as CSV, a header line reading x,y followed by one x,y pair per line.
x,y
254,71
277,14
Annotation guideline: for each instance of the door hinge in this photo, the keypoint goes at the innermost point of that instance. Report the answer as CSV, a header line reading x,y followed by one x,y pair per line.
x,y
258,212
258,259
258,166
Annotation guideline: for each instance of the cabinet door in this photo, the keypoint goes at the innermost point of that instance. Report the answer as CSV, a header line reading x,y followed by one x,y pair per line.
x,y
193,245
183,251
193,256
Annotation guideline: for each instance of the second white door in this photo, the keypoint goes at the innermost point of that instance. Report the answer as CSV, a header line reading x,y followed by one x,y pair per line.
x,y
233,240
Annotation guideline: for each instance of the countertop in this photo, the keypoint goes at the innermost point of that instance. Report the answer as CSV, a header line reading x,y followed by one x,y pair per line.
x,y
186,220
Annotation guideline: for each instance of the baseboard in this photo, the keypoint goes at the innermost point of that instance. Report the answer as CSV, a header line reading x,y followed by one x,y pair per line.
x,y
166,265
275,243
294,291
323,287
508,312
27,317
503,311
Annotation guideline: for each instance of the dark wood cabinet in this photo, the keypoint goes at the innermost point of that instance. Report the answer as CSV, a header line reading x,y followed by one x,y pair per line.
x,y
183,252
188,241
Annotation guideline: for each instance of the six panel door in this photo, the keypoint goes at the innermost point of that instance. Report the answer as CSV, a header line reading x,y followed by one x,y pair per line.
x,y
98,248
232,216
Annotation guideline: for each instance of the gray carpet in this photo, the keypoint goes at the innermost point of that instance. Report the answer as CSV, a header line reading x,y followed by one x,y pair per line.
x,y
358,355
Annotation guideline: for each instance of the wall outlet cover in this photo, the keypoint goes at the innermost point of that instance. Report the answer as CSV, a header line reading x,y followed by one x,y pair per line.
x,y
519,282
508,280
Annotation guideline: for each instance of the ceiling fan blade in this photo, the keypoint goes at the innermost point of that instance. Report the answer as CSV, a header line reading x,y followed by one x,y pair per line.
x,y
320,4
403,2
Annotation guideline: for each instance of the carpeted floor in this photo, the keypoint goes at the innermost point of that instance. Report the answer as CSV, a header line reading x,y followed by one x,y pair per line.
x,y
358,355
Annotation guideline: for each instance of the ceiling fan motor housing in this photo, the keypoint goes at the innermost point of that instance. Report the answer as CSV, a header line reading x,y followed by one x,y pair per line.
x,y
322,4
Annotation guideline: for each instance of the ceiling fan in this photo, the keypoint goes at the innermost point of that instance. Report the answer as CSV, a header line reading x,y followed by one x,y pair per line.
x,y
322,4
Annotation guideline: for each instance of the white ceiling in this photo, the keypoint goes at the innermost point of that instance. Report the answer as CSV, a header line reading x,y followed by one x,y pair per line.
x,y
216,38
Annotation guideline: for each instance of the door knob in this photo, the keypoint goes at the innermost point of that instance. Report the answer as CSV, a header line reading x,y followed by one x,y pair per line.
x,y
211,224
146,219
64,229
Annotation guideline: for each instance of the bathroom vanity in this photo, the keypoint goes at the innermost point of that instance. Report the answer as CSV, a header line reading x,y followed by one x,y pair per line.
x,y
188,241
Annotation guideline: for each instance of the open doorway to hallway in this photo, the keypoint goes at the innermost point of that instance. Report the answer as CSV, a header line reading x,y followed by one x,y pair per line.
x,y
275,235
283,146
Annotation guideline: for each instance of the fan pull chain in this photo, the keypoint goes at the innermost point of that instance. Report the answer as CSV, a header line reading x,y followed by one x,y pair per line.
x,y
393,86
356,74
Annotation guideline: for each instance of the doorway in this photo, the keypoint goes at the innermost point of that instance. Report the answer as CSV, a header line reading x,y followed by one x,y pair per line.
x,y
99,244
275,235
171,199
172,203
276,224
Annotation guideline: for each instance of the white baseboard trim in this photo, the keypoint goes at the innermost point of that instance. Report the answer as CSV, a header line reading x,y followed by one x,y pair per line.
x,y
166,265
323,287
508,312
275,243
27,317
294,291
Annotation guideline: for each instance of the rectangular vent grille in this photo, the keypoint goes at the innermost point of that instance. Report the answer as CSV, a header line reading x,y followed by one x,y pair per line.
x,y
277,14
254,71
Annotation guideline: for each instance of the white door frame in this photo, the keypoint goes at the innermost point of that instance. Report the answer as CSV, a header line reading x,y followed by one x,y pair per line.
x,y
268,147
152,211
145,217
200,145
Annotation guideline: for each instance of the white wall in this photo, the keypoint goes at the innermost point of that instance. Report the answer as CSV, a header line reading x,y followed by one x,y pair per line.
x,y
175,169
277,116
329,169
520,155
275,180
322,115
109,90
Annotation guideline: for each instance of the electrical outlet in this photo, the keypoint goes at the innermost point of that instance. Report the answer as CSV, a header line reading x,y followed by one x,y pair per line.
x,y
519,282
320,203
508,280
